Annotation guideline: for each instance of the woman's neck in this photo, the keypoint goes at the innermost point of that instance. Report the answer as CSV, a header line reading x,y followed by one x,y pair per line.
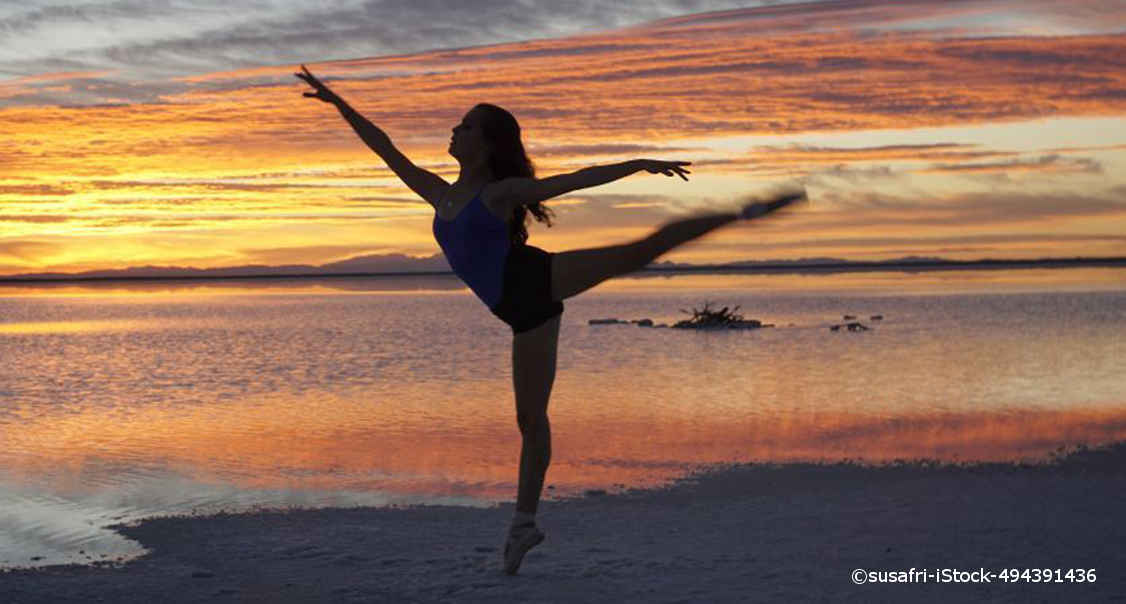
x,y
474,173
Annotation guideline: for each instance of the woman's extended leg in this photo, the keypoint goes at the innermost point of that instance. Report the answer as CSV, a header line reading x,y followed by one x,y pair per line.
x,y
576,271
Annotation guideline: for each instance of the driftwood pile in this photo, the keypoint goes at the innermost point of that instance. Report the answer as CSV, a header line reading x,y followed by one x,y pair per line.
x,y
727,318
717,319
705,318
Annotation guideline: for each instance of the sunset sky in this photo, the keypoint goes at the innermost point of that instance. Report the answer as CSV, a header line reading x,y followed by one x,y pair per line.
x,y
174,133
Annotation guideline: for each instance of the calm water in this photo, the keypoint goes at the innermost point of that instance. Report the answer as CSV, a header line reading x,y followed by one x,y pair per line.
x,y
120,402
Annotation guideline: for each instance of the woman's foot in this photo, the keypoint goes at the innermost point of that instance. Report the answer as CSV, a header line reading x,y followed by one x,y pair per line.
x,y
521,538
762,208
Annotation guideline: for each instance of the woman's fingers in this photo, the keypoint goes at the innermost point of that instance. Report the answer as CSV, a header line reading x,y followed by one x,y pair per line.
x,y
668,168
310,78
320,91
310,81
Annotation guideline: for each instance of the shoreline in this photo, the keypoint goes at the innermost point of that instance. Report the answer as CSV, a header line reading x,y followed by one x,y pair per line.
x,y
727,533
652,271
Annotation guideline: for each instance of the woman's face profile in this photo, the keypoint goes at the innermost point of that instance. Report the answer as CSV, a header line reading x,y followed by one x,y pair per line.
x,y
468,138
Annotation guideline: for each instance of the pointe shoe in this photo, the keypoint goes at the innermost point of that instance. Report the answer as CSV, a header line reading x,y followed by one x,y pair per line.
x,y
763,208
520,539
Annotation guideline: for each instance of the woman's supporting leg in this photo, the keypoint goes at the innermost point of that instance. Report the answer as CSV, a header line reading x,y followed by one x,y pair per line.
x,y
533,375
576,271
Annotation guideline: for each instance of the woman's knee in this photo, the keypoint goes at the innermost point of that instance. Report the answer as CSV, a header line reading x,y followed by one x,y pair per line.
x,y
533,425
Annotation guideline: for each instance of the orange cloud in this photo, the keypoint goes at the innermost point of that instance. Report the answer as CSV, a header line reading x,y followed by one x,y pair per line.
x,y
243,152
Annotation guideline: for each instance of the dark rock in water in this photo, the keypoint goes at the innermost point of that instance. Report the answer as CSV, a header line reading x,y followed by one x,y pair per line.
x,y
876,318
594,492
645,323
606,322
850,326
849,318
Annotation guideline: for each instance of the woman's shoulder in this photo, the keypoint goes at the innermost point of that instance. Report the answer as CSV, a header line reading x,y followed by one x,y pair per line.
x,y
499,196
505,193
504,187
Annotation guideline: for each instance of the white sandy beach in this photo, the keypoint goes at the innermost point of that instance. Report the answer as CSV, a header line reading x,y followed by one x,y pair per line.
x,y
749,533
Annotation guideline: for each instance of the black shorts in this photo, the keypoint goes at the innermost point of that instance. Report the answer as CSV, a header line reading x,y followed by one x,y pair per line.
x,y
525,300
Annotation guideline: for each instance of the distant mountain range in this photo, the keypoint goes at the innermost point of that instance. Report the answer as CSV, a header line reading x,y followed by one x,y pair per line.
x,y
376,264
401,264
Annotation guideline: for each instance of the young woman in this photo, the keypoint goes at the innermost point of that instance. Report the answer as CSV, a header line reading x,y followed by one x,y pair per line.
x,y
479,224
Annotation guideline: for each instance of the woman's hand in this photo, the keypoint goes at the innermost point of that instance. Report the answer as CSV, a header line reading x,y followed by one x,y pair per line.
x,y
668,168
321,91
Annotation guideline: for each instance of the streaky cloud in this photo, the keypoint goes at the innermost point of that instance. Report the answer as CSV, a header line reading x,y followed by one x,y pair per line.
x,y
1044,164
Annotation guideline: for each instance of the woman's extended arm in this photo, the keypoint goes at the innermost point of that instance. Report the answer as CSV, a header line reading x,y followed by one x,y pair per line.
x,y
426,184
520,191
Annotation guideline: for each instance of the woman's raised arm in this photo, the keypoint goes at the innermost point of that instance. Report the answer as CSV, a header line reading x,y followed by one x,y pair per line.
x,y
520,191
426,184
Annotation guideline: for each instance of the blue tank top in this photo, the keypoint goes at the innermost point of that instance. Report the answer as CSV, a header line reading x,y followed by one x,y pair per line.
x,y
476,245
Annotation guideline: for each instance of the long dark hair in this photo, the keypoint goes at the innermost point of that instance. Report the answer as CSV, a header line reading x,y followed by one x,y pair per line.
x,y
509,159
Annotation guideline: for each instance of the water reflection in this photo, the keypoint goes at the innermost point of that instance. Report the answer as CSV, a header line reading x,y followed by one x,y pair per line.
x,y
909,282
213,396
901,282
219,287
74,327
334,441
